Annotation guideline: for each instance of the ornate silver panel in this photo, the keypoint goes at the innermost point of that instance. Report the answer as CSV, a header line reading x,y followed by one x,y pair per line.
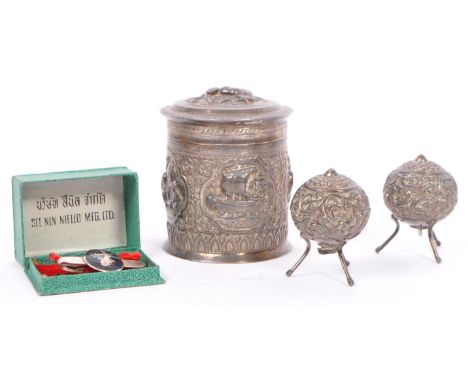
x,y
174,190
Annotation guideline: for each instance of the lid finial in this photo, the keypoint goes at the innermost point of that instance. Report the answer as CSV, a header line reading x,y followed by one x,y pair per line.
x,y
421,158
331,172
226,95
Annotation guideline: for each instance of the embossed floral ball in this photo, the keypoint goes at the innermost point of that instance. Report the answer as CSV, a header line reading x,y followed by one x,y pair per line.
x,y
330,209
420,192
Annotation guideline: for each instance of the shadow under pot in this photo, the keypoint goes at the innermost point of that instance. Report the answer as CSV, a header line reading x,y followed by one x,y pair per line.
x,y
228,179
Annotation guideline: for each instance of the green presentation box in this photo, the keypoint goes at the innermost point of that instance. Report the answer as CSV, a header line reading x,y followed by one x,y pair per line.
x,y
75,211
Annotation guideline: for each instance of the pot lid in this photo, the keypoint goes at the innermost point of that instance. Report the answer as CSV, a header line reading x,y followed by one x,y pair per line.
x,y
223,105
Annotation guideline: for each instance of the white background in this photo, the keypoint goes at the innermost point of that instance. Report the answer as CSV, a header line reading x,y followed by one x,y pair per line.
x,y
372,84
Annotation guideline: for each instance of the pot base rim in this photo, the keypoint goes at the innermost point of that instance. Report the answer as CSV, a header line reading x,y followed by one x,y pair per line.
x,y
229,258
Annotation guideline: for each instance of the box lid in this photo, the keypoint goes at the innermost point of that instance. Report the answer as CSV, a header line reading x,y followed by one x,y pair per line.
x,y
75,211
225,105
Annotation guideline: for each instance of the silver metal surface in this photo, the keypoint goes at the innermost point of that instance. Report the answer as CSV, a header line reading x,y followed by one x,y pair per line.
x,y
71,261
132,264
420,193
73,269
72,264
103,261
227,182
329,209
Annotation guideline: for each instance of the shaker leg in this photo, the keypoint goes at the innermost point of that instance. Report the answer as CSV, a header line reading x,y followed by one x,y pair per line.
x,y
301,259
437,241
378,249
345,267
346,260
432,240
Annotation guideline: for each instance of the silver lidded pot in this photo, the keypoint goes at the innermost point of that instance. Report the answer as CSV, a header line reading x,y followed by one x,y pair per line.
x,y
227,182
420,193
330,209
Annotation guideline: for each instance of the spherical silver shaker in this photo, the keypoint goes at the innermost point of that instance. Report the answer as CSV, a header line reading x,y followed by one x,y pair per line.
x,y
420,193
329,209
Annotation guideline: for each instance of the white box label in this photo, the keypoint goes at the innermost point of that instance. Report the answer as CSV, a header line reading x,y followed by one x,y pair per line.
x,y
73,215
